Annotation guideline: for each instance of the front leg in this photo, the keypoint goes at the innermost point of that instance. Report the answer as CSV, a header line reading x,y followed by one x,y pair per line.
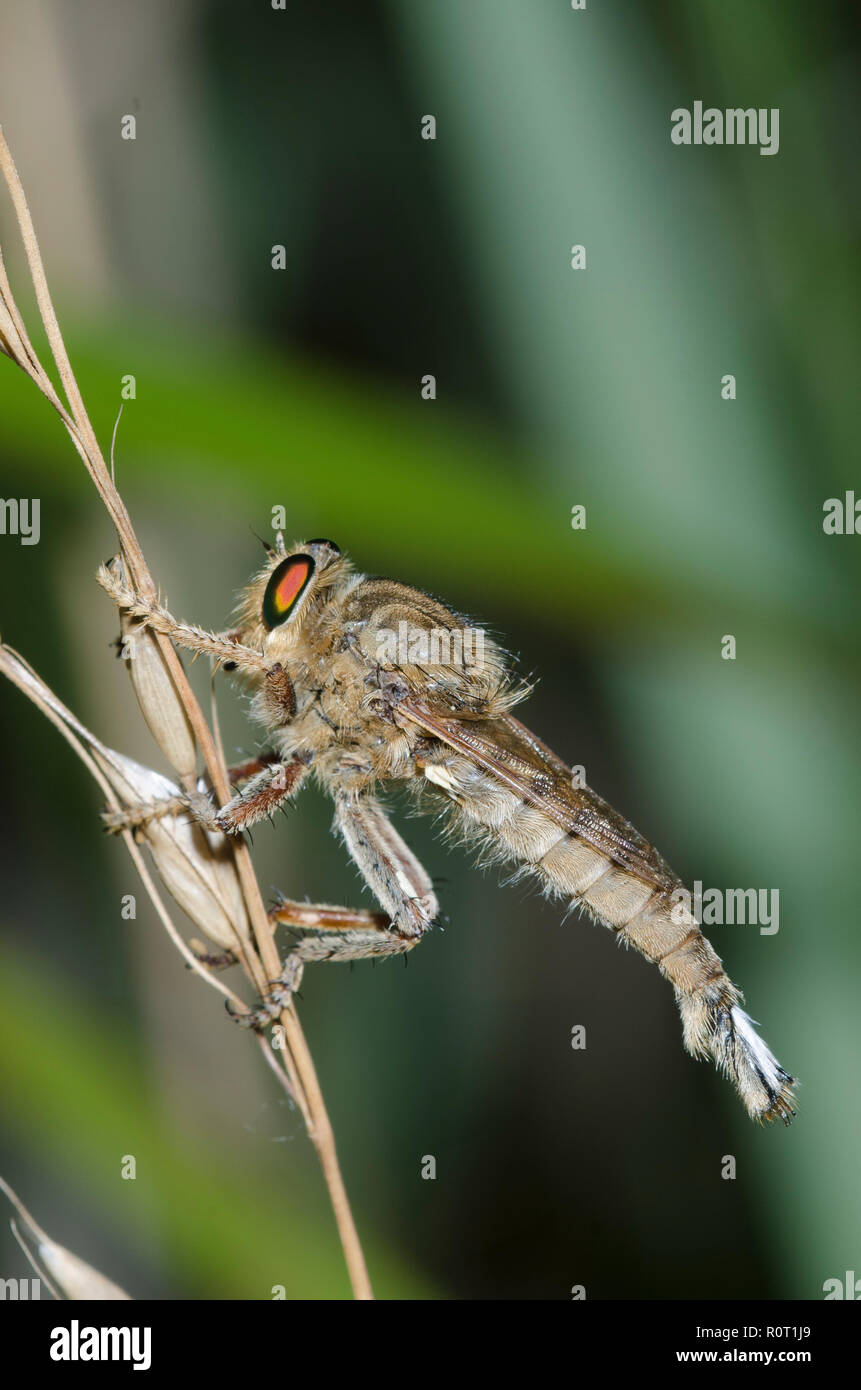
x,y
223,646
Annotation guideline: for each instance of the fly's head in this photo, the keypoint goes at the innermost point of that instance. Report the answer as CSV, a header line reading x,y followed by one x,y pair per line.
x,y
289,612
282,611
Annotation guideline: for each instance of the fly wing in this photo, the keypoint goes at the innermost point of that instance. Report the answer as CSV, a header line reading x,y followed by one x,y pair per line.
x,y
512,753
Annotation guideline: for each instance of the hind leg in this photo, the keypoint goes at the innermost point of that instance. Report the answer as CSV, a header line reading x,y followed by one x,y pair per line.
x,y
398,881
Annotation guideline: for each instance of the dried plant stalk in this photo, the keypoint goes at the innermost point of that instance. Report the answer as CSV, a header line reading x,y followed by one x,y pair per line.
x,y
65,1274
213,882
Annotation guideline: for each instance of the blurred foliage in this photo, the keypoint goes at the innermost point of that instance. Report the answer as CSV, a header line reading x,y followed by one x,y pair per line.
x,y
229,1229
704,518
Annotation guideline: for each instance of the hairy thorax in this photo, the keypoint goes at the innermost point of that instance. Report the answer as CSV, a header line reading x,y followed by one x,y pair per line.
x,y
352,664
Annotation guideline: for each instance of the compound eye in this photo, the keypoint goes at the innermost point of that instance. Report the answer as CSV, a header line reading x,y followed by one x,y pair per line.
x,y
287,584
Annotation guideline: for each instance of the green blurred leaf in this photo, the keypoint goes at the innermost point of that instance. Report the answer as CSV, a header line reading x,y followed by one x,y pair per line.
x,y
73,1091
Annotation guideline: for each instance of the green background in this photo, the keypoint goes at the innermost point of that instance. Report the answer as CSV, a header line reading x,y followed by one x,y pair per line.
x,y
302,388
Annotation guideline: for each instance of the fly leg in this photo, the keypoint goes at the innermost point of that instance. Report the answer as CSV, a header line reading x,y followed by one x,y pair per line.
x,y
397,880
390,869
197,805
263,794
224,646
268,782
359,935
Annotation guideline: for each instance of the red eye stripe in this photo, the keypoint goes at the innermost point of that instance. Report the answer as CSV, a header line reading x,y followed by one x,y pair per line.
x,y
290,585
285,585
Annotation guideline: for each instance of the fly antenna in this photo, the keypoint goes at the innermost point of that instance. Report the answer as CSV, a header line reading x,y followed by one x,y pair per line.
x,y
266,546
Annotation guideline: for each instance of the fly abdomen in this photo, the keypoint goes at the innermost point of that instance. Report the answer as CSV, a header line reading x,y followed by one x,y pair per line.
x,y
651,919
642,914
640,910
666,933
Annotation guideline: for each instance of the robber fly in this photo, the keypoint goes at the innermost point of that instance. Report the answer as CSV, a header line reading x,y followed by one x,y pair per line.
x,y
351,690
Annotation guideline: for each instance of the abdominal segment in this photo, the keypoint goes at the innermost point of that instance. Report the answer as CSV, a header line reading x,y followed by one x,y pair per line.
x,y
642,913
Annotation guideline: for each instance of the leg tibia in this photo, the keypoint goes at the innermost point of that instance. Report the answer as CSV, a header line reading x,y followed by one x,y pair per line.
x,y
395,877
